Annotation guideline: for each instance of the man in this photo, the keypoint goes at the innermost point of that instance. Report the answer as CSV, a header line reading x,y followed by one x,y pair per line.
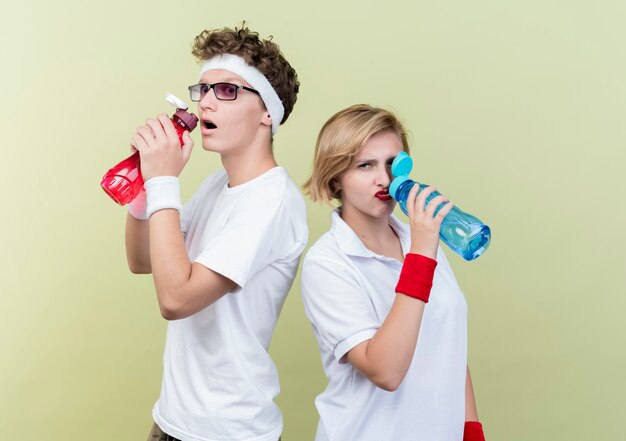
x,y
222,264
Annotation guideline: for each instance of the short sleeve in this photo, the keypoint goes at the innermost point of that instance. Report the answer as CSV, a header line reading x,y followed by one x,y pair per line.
x,y
337,305
251,238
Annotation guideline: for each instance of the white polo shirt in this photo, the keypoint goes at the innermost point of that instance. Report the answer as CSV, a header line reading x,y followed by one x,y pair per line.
x,y
219,382
347,292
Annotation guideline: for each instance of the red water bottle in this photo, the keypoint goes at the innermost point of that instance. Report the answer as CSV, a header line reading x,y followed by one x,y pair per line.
x,y
124,181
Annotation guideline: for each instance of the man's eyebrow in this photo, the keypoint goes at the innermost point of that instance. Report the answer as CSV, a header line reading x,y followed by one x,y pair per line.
x,y
237,81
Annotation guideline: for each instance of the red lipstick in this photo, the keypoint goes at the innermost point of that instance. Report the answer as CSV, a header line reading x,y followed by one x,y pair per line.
x,y
382,195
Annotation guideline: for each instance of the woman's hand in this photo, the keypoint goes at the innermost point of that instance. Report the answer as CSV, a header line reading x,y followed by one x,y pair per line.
x,y
159,148
425,225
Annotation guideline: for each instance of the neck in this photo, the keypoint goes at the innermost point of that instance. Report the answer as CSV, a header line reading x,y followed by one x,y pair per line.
x,y
375,233
246,164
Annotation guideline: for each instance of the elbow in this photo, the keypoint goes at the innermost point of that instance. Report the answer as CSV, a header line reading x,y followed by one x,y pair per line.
x,y
389,384
169,308
389,381
385,372
170,315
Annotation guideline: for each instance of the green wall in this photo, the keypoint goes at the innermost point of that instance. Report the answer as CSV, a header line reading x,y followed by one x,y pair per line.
x,y
515,111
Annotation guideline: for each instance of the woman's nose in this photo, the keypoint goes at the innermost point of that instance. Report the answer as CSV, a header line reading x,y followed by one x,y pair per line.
x,y
384,176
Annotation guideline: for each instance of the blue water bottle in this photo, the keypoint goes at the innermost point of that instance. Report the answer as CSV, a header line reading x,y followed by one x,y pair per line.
x,y
462,232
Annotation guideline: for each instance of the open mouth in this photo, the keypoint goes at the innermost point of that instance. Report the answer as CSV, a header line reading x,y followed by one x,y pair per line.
x,y
209,125
383,195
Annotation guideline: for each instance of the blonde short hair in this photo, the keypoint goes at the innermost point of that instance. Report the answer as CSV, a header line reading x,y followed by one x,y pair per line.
x,y
339,141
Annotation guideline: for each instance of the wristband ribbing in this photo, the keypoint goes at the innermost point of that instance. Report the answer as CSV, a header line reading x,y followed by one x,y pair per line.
x,y
473,431
416,277
162,192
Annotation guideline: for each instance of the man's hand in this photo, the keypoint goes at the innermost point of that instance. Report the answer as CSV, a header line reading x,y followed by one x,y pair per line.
x,y
159,148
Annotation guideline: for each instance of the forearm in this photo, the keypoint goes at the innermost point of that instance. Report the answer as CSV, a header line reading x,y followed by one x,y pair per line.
x,y
386,358
183,288
471,413
473,429
171,267
137,240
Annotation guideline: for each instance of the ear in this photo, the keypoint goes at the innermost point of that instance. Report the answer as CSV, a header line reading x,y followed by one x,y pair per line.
x,y
266,120
335,185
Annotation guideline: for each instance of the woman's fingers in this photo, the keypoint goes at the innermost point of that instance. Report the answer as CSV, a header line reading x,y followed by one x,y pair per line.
x,y
420,201
444,211
410,201
432,206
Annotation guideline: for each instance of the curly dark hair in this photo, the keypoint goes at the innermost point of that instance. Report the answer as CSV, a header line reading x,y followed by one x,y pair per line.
x,y
265,55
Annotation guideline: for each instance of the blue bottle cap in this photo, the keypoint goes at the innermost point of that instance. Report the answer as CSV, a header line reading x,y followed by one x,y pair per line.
x,y
402,165
395,185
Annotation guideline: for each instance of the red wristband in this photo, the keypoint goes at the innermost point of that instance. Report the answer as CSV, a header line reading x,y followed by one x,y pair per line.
x,y
416,277
473,431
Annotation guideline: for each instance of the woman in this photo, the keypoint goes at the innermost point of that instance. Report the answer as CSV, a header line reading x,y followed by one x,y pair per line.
x,y
388,315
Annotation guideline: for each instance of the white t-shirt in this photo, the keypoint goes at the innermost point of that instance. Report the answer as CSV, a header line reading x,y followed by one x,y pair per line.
x,y
219,381
347,292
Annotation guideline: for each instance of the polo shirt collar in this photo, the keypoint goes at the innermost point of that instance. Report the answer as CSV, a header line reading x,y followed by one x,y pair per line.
x,y
350,243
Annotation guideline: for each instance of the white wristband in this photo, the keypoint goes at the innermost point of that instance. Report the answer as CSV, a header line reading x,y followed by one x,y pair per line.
x,y
137,207
162,192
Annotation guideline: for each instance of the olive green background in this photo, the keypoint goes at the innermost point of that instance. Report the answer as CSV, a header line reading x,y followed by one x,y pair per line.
x,y
515,111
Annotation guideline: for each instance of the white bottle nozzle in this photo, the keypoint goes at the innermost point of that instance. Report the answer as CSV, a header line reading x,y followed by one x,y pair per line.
x,y
175,101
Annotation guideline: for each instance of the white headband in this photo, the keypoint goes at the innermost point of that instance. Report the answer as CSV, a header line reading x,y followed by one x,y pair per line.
x,y
255,78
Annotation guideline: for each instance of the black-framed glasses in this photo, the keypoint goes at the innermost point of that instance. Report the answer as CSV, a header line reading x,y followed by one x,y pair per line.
x,y
222,91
